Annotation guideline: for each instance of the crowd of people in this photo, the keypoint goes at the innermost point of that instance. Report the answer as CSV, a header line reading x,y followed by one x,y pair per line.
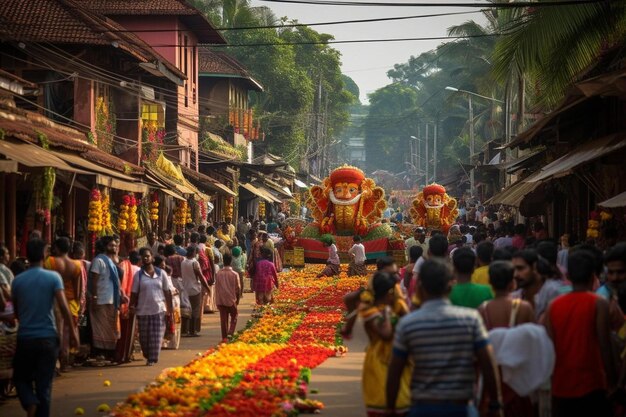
x,y
107,311
511,324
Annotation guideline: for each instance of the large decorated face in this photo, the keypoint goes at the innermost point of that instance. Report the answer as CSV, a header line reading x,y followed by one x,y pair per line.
x,y
346,185
434,196
346,190
434,200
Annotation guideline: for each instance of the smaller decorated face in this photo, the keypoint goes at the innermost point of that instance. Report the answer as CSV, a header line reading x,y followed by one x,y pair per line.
x,y
346,190
434,200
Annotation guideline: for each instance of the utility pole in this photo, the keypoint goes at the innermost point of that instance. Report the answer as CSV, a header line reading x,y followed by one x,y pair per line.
x,y
418,155
471,121
426,159
435,153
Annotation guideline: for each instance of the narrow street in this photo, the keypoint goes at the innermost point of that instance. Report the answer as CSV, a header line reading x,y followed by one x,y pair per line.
x,y
337,381
84,387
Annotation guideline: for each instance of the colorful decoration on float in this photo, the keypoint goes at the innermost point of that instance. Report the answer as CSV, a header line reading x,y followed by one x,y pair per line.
x,y
261,209
346,202
433,208
154,207
266,369
95,211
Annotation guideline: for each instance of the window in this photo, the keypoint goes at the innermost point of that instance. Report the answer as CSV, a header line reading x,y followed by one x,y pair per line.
x,y
152,115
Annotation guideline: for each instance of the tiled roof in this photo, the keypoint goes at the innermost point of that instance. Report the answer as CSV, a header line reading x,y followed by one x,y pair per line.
x,y
217,62
24,125
65,22
192,17
141,7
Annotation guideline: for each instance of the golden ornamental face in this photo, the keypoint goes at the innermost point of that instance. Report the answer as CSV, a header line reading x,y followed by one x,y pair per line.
x,y
433,201
345,190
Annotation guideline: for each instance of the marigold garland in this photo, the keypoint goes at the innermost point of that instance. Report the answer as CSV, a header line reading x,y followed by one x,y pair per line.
x,y
261,209
154,207
180,215
133,221
95,211
106,214
229,209
266,370
123,216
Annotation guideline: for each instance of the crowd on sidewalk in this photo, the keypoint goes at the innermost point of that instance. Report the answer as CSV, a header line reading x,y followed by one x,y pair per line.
x,y
476,326
104,312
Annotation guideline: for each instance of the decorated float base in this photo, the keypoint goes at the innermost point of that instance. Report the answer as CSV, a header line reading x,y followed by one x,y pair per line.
x,y
315,252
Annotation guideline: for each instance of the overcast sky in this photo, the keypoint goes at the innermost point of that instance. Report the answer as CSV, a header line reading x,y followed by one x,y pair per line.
x,y
368,63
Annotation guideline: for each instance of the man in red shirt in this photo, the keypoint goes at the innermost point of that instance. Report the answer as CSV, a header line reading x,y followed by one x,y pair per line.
x,y
578,324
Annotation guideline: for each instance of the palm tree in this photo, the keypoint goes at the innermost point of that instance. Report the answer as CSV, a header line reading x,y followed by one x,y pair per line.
x,y
552,45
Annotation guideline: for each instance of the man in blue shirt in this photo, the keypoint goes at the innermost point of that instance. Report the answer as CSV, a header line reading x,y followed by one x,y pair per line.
x,y
34,292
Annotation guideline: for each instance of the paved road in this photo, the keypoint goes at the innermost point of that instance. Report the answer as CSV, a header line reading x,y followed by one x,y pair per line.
x,y
84,387
338,379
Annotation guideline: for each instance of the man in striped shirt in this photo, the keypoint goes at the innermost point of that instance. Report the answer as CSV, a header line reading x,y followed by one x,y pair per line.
x,y
443,342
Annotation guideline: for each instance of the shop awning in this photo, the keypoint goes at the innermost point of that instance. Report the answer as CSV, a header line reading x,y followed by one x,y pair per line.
x,y
265,195
300,183
223,188
8,166
268,193
155,183
583,154
105,176
617,201
34,156
514,194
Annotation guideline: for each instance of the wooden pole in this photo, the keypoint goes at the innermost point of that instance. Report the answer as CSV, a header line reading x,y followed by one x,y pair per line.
x,y
12,215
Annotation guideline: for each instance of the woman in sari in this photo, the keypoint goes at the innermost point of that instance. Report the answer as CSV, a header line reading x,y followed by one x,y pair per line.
x,y
376,311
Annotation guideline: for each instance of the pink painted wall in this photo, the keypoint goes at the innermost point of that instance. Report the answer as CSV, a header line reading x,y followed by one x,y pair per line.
x,y
171,49
155,38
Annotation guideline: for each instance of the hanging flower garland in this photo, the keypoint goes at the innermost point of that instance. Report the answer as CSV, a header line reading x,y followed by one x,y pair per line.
x,y
593,225
105,210
180,215
123,216
95,211
188,215
229,207
261,209
203,212
45,185
133,220
154,207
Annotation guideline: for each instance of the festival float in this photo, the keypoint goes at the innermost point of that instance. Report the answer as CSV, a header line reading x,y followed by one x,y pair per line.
x,y
434,209
346,204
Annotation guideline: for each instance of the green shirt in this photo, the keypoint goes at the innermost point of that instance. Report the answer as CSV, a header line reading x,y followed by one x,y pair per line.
x,y
470,294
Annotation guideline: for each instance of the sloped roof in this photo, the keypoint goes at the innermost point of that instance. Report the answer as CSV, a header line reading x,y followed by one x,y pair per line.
x,y
192,17
25,125
66,22
217,63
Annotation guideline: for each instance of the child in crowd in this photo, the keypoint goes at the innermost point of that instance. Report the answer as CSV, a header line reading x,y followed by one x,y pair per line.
x,y
357,258
239,265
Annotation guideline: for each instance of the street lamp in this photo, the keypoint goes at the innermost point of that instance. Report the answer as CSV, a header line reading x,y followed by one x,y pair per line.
x,y
471,121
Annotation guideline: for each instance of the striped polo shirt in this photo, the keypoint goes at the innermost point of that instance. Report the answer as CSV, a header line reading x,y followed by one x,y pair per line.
x,y
442,340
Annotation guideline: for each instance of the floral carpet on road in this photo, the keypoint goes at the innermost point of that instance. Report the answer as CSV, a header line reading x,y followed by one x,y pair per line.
x,y
265,369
